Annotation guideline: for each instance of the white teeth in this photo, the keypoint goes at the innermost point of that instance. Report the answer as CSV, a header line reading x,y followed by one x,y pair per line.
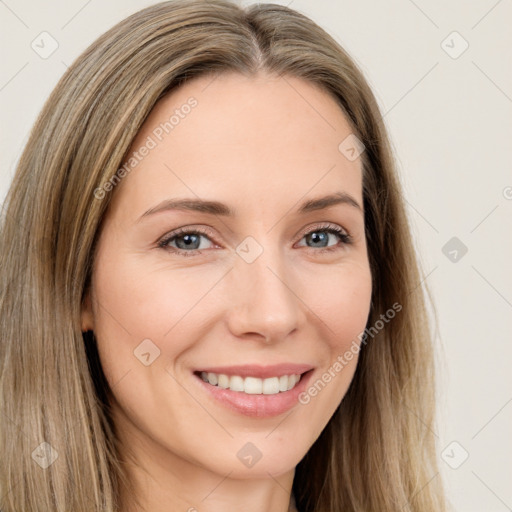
x,y
271,386
223,381
236,383
252,385
292,380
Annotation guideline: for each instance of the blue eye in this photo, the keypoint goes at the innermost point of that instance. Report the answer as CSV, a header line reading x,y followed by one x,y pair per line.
x,y
188,241
321,235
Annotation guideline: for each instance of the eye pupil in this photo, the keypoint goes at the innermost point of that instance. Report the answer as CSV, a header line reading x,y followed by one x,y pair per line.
x,y
318,236
188,240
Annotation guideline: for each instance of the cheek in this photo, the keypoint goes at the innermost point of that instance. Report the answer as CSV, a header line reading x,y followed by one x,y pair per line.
x,y
157,311
342,305
342,302
139,303
148,316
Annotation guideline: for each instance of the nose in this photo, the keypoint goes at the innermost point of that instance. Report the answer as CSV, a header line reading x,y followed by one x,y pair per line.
x,y
264,303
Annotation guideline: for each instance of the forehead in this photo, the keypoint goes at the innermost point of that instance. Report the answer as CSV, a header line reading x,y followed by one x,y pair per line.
x,y
236,137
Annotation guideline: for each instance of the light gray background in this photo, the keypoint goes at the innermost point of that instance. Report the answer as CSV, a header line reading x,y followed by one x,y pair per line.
x,y
449,118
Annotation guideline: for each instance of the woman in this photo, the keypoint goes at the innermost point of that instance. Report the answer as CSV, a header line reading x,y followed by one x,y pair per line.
x,y
174,338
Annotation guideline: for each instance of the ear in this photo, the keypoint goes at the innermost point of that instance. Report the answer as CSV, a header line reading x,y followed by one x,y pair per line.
x,y
87,316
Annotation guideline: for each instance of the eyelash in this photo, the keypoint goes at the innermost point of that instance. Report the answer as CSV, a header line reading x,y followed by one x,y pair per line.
x,y
345,238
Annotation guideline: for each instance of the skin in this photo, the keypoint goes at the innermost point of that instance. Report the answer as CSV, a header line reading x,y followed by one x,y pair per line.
x,y
261,145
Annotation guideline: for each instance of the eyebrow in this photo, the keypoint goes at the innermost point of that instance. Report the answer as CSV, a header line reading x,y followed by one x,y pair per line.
x,y
218,208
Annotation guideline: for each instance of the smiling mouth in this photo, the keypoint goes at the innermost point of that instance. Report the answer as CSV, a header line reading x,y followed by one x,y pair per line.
x,y
251,385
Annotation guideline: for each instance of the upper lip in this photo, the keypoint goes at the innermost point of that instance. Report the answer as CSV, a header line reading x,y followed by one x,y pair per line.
x,y
262,372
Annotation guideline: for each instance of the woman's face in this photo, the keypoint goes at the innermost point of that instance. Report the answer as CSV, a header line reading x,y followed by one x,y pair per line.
x,y
258,284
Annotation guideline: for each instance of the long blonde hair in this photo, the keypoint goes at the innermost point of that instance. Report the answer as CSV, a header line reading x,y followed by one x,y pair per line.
x,y
377,453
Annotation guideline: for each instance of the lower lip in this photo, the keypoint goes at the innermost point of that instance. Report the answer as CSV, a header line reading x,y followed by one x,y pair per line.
x,y
257,406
